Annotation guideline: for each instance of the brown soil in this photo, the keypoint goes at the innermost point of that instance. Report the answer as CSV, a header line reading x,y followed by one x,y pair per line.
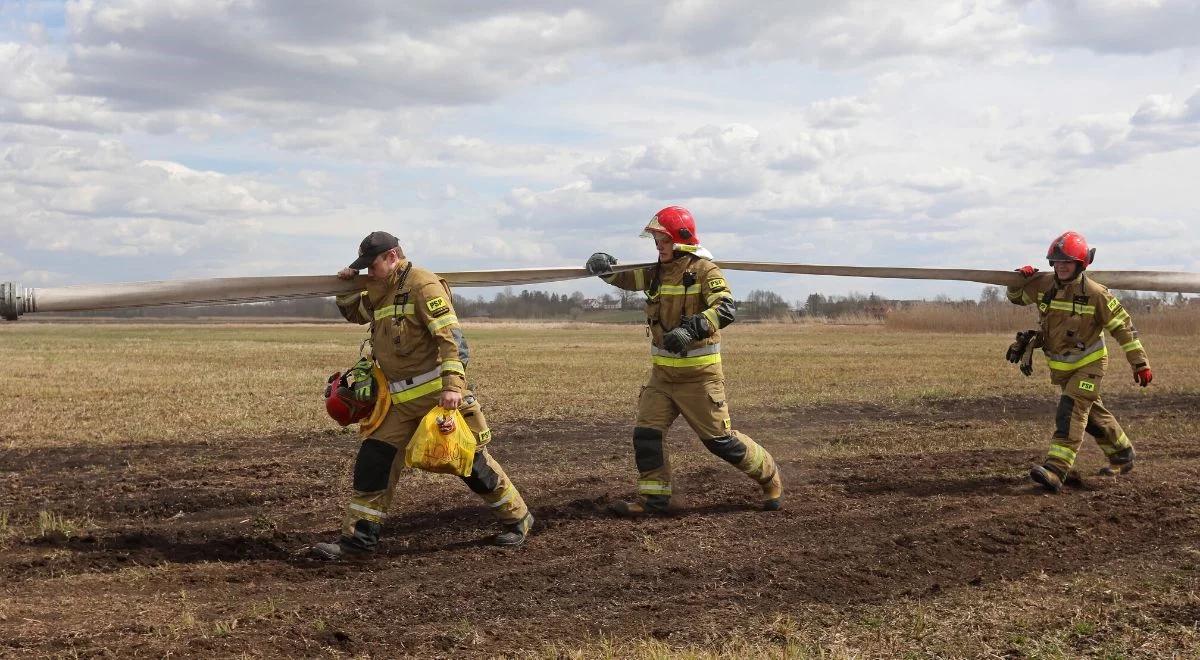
x,y
177,538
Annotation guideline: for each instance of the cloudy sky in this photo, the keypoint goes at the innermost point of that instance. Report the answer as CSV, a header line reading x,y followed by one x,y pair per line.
x,y
152,139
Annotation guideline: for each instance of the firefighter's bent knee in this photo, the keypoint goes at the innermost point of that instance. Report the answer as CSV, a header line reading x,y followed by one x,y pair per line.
x,y
647,448
483,478
728,448
373,465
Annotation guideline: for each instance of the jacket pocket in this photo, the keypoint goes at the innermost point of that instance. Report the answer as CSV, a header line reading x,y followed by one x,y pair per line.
x,y
715,389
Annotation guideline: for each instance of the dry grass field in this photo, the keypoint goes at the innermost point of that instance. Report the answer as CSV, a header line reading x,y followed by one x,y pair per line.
x,y
159,485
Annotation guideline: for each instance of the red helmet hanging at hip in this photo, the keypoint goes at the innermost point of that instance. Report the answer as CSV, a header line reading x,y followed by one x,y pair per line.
x,y
341,404
1071,246
676,222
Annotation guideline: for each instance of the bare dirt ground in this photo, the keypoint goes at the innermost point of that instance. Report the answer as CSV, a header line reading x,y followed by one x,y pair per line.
x,y
184,548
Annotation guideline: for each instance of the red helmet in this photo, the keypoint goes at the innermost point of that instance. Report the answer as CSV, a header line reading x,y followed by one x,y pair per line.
x,y
1071,246
341,404
676,222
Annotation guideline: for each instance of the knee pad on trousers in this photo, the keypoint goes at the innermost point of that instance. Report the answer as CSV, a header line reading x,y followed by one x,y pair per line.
x,y
483,478
1094,430
1062,419
647,448
728,448
373,465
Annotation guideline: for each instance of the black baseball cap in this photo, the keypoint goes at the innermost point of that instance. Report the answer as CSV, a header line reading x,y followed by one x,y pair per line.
x,y
375,244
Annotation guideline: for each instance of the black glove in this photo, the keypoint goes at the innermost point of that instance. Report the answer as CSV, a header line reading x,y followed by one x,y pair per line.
x,y
677,340
600,263
1017,349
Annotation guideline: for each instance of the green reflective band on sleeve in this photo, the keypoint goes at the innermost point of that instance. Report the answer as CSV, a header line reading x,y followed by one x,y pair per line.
x,y
678,290
711,300
1068,306
711,315
438,324
698,361
417,392
394,310
1062,453
639,280
649,487
1135,345
1117,321
454,367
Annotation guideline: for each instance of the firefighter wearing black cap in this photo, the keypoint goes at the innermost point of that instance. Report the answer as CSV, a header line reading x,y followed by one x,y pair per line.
x,y
420,350
688,301
1075,311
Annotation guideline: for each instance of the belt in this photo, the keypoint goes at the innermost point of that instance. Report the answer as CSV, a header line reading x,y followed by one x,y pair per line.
x,y
1076,357
711,349
416,387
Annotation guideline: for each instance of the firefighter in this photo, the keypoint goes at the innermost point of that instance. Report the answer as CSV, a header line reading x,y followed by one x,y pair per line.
x,y
1075,311
419,346
688,302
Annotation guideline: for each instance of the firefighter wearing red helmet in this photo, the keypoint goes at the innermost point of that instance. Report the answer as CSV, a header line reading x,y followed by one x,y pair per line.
x,y
420,358
1075,311
688,302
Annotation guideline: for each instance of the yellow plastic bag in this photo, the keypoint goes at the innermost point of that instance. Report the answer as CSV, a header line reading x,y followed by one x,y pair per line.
x,y
448,453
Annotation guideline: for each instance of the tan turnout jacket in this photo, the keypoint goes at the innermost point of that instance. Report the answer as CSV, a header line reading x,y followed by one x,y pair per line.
x,y
686,286
1074,316
414,331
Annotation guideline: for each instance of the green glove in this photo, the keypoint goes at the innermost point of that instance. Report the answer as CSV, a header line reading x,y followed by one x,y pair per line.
x,y
362,380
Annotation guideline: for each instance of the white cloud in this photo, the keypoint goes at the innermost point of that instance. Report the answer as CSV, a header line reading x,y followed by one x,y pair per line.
x,y
1124,26
1159,125
937,132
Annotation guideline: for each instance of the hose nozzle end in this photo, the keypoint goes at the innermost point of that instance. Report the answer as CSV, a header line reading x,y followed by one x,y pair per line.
x,y
14,301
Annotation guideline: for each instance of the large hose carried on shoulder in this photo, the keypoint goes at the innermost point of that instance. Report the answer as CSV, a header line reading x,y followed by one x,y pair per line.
x,y
16,301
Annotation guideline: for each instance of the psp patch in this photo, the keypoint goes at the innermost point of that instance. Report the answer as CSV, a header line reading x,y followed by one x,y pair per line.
x,y
1113,304
1087,386
437,306
717,284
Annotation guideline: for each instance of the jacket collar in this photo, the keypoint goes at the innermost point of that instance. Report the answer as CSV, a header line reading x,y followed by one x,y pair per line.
x,y
377,289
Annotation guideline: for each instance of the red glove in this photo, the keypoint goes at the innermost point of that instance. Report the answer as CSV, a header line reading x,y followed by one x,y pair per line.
x,y
1143,376
1027,271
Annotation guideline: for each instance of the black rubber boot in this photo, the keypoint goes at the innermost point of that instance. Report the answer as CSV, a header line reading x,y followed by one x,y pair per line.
x,y
1119,463
340,550
1047,477
514,534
